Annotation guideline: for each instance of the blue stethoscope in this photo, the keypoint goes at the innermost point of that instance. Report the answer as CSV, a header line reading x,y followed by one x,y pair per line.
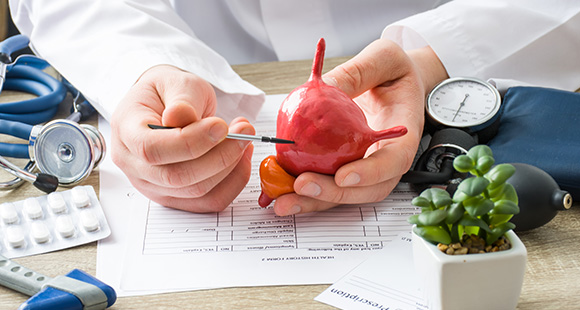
x,y
64,151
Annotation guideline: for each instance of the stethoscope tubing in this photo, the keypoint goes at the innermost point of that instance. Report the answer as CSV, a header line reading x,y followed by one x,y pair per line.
x,y
16,129
50,94
19,130
13,43
14,183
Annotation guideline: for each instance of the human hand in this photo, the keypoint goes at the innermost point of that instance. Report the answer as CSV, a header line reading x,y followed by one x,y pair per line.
x,y
191,167
390,86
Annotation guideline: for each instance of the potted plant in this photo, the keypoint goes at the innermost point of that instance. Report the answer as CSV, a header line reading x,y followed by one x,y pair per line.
x,y
474,223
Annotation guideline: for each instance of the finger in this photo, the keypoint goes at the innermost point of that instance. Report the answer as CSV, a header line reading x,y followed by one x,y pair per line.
x,y
165,146
179,114
217,199
323,188
210,165
142,106
186,97
195,190
187,104
181,144
379,62
390,161
238,120
291,204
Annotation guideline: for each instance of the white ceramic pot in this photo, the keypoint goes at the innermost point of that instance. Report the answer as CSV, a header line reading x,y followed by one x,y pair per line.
x,y
472,281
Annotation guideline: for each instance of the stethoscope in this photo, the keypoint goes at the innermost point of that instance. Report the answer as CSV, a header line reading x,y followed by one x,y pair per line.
x,y
64,151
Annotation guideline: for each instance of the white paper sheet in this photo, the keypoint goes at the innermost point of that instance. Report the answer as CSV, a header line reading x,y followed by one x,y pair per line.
x,y
387,280
156,249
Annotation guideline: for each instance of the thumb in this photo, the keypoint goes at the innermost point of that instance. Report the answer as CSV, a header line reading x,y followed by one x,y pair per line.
x,y
178,115
186,99
380,62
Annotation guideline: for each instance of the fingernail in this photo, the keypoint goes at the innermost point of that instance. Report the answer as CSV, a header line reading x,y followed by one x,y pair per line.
x,y
244,143
294,210
351,179
330,81
218,132
311,189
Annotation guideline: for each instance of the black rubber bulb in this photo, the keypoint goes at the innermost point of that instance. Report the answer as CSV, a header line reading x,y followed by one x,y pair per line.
x,y
540,198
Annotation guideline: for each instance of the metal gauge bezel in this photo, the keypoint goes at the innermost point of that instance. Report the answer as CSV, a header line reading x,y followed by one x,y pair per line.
x,y
452,81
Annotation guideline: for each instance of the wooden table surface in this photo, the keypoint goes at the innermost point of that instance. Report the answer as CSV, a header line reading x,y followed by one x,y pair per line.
x,y
552,279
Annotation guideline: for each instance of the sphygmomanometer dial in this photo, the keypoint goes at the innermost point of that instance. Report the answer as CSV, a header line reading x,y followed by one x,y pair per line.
x,y
463,103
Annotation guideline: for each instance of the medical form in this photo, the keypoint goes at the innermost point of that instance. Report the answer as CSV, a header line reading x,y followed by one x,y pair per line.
x,y
245,245
247,227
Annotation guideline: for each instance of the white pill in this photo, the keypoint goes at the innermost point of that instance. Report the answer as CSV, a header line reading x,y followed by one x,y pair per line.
x,y
56,202
65,226
89,220
8,213
80,197
15,236
32,208
40,232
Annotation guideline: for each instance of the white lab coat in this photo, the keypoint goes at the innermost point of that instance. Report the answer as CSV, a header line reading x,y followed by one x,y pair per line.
x,y
102,47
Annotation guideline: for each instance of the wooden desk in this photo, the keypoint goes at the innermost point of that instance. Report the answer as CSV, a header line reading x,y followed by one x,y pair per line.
x,y
552,278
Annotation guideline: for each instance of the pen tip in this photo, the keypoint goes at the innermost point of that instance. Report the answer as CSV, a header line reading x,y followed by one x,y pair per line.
x,y
158,126
282,141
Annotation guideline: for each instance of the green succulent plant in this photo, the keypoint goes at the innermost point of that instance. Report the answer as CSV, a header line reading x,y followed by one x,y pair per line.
x,y
483,203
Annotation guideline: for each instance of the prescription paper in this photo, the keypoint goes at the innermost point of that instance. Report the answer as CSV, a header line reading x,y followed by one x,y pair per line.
x,y
155,249
387,280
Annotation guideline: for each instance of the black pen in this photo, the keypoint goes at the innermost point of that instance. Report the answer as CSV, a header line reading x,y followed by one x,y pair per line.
x,y
238,136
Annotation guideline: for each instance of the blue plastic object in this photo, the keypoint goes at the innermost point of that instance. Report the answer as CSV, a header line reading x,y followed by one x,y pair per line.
x,y
14,43
50,298
538,127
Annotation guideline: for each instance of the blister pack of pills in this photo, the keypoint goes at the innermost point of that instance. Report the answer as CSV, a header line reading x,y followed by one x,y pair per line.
x,y
51,222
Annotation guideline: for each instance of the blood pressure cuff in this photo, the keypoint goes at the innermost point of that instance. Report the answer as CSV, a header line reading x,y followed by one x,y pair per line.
x,y
541,127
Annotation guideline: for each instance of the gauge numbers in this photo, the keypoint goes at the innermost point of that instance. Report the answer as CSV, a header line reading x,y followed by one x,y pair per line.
x,y
463,102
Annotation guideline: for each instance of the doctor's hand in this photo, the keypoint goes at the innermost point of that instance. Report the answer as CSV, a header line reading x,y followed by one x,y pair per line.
x,y
191,167
390,86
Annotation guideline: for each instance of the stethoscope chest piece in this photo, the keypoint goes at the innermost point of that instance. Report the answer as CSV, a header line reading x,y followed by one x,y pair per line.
x,y
66,149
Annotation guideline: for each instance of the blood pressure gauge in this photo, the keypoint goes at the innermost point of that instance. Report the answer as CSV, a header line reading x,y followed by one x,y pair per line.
x,y
463,102
460,112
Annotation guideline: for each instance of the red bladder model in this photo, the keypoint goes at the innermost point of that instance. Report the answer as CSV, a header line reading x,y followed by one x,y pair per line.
x,y
328,128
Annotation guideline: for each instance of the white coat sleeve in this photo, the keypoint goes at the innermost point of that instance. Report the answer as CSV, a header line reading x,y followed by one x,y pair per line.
x,y
102,47
533,41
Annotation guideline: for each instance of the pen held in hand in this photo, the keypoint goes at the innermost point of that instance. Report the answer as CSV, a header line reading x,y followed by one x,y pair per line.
x,y
238,136
258,138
